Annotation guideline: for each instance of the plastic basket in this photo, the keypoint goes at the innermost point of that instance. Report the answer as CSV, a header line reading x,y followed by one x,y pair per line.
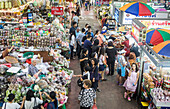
x,y
28,55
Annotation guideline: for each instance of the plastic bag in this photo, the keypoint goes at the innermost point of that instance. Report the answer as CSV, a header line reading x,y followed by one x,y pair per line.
x,y
107,70
94,106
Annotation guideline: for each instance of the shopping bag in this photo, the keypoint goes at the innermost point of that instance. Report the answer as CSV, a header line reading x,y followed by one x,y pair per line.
x,y
94,106
107,70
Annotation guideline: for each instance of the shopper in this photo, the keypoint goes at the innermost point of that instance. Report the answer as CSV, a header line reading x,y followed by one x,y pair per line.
x,y
126,45
78,9
102,63
100,37
104,33
131,82
72,45
86,27
106,23
84,59
86,73
53,104
95,47
104,19
79,41
32,101
73,29
121,66
11,105
86,6
111,56
87,96
88,45
32,70
89,31
76,19
94,76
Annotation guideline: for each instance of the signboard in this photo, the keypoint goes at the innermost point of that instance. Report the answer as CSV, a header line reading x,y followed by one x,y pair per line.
x,y
135,31
127,18
57,10
156,23
106,2
138,31
116,15
119,4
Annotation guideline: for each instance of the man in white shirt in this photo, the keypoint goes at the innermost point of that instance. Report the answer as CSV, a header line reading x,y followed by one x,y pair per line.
x,y
76,19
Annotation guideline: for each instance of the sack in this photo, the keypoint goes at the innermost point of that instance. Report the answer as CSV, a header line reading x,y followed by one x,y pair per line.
x,y
94,106
80,83
107,70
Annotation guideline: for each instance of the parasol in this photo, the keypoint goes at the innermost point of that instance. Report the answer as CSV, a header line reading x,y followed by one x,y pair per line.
x,y
156,36
138,9
163,48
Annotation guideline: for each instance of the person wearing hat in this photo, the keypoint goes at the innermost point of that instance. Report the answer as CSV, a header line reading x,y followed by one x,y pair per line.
x,y
11,105
104,33
121,64
126,45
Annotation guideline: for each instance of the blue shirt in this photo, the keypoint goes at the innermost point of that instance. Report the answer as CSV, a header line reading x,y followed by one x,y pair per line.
x,y
80,37
52,106
91,34
88,45
77,33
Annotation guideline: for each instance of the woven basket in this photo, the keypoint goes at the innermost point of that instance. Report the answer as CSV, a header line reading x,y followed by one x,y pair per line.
x,y
11,59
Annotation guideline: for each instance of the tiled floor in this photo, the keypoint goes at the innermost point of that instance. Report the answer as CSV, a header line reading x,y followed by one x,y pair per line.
x,y
111,95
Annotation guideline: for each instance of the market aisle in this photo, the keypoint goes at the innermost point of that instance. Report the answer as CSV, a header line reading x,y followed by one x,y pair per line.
x,y
111,95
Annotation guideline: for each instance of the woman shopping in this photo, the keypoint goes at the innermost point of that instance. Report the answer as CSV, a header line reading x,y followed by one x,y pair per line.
x,y
11,105
72,45
32,101
102,63
94,76
111,56
131,82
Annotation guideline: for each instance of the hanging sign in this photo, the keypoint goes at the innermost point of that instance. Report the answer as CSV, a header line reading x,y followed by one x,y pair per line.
x,y
57,11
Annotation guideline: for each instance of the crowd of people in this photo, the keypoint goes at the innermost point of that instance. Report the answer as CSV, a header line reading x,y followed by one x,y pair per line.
x,y
100,56
32,102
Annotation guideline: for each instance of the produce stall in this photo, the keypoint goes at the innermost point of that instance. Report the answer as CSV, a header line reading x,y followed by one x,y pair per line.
x,y
34,37
55,76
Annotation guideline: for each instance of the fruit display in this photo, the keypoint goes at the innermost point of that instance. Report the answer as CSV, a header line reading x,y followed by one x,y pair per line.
x,y
55,76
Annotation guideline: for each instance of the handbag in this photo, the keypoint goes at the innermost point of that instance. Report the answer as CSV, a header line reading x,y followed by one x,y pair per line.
x,y
36,106
107,70
80,83
94,106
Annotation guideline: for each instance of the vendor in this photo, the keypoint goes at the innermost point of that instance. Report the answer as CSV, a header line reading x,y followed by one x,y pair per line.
x,y
6,52
32,70
126,45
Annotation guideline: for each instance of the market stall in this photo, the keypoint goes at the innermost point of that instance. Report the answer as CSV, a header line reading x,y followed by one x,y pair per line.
x,y
153,84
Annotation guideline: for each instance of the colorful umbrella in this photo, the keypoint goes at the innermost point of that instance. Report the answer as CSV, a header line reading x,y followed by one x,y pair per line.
x,y
160,9
138,9
156,36
163,48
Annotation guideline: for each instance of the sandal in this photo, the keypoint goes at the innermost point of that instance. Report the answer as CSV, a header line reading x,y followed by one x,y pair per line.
x,y
129,99
125,95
